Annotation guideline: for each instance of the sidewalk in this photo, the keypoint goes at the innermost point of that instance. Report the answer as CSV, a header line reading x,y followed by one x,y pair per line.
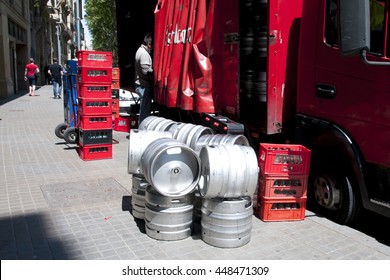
x,y
54,205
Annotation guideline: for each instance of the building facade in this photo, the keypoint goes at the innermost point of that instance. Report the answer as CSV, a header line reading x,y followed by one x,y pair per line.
x,y
40,29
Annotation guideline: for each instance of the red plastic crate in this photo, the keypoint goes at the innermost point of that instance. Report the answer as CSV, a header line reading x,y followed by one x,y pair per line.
x,y
115,113
94,59
115,104
124,124
115,84
94,75
94,152
88,106
95,137
281,209
115,73
94,91
292,186
88,122
283,159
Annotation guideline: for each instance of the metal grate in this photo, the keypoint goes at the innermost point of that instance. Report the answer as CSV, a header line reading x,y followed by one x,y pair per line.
x,y
81,193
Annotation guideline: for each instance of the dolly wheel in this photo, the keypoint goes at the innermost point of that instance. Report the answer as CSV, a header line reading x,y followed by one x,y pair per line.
x,y
71,135
60,129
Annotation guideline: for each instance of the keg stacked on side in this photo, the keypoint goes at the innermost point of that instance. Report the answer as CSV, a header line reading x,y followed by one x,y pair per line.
x,y
138,141
195,176
173,171
138,191
94,77
228,182
168,218
283,182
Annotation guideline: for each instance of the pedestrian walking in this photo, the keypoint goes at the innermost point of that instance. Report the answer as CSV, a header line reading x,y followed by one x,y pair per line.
x,y
55,72
144,77
31,73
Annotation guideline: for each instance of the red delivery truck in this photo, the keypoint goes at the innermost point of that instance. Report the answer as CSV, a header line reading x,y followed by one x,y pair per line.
x,y
309,72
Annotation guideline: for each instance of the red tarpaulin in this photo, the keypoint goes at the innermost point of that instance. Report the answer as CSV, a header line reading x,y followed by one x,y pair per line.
x,y
203,69
182,68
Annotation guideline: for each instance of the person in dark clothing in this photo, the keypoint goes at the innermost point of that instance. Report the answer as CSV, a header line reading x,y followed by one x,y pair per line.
x,y
144,77
55,72
47,76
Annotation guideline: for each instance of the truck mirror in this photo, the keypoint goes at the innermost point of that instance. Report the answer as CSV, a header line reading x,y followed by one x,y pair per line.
x,y
354,26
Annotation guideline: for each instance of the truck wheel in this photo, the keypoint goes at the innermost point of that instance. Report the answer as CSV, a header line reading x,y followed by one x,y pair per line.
x,y
60,129
71,135
331,192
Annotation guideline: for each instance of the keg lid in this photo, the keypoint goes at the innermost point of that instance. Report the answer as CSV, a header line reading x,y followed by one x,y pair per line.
x,y
172,168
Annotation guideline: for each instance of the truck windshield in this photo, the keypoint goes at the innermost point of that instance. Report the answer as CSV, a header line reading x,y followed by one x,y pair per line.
x,y
379,21
331,23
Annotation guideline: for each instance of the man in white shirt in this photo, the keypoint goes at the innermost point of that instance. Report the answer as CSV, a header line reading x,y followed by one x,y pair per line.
x,y
144,77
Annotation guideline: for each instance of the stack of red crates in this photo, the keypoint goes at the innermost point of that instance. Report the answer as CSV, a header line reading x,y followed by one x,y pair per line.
x,y
120,122
115,87
94,124
282,182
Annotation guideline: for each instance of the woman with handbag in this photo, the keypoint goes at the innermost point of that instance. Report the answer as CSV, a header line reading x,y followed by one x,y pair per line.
x,y
31,73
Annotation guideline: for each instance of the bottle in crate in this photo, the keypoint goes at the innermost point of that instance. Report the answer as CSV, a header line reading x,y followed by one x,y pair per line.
x,y
97,75
284,159
115,78
92,91
95,106
281,210
95,137
94,58
95,152
115,73
94,122
292,186
115,84
115,105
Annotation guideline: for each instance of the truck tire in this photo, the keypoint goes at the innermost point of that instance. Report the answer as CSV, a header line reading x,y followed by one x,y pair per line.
x,y
332,189
71,135
60,129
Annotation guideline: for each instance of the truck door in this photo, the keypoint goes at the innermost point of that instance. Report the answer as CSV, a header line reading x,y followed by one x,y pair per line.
x,y
282,56
350,93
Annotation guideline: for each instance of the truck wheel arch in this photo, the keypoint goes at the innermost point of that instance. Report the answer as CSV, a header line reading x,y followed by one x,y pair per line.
x,y
335,158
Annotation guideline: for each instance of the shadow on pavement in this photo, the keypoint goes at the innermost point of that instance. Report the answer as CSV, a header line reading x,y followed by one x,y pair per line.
x,y
20,93
127,206
375,226
26,237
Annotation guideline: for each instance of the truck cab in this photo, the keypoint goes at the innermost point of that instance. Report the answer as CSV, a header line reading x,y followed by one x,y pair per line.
x,y
343,105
